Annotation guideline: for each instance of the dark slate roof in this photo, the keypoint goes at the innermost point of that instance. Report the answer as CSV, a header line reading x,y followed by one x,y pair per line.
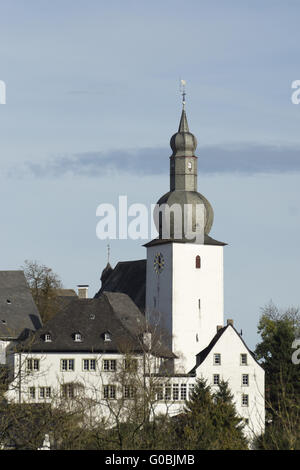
x,y
207,241
128,277
64,297
205,352
113,313
201,356
18,311
106,273
127,312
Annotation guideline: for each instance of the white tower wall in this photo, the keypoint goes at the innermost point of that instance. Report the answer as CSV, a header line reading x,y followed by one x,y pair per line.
x,y
159,292
185,301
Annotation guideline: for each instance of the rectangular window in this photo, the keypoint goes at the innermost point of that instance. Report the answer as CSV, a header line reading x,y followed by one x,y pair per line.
x,y
159,392
67,364
107,337
109,365
130,365
32,392
45,392
244,360
216,379
129,392
217,359
168,392
109,391
68,390
245,400
245,379
89,364
183,392
33,364
175,392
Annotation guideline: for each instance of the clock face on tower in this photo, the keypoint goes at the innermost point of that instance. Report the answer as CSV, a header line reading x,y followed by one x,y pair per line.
x,y
158,263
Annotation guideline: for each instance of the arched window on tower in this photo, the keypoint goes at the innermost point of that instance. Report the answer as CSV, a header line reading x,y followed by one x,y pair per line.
x,y
198,262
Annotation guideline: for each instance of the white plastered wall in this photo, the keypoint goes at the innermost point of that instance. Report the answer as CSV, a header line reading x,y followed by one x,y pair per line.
x,y
186,302
231,346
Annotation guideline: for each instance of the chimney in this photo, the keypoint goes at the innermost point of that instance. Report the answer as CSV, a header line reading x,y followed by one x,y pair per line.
x,y
83,291
219,327
230,322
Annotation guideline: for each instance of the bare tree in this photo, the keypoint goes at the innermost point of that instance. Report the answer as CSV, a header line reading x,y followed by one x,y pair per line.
x,y
43,283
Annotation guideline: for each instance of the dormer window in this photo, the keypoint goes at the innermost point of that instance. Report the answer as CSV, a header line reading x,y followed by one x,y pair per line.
x,y
47,338
77,337
107,336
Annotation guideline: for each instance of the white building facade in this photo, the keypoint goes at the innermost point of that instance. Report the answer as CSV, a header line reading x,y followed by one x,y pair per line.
x,y
82,351
230,360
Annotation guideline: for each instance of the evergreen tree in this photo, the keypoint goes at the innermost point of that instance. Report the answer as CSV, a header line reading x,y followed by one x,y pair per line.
x,y
229,426
275,352
197,420
210,420
278,331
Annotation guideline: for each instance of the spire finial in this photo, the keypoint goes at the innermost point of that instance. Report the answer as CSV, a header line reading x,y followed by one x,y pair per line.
x,y
108,253
182,91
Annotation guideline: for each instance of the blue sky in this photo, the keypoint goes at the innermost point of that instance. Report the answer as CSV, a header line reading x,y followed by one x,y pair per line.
x,y
92,101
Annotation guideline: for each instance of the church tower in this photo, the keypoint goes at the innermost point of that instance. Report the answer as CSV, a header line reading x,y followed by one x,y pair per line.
x,y
184,276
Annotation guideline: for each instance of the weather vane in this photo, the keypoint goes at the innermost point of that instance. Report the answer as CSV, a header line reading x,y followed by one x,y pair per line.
x,y
182,91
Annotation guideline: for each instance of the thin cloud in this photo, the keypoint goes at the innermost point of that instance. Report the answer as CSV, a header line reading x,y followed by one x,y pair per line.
x,y
244,159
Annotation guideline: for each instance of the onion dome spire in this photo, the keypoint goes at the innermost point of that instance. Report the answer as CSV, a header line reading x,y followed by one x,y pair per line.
x,y
183,125
183,193
183,143
183,178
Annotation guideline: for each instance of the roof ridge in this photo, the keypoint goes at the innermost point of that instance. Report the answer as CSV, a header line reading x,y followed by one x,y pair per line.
x,y
204,352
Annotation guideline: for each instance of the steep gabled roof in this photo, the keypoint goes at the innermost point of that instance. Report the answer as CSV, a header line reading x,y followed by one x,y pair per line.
x,y
127,312
18,311
115,313
202,355
128,277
